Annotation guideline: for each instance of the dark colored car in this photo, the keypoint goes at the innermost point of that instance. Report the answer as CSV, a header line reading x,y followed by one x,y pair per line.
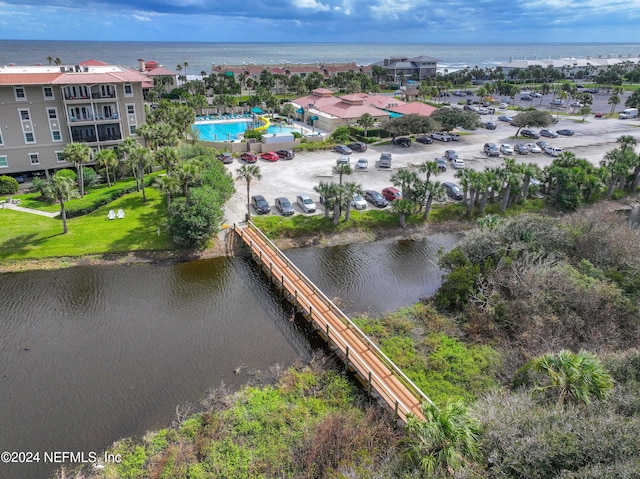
x,y
270,156
342,149
391,193
284,206
491,149
286,154
225,157
529,134
375,198
442,164
249,157
450,155
548,134
521,149
453,191
565,132
505,118
260,204
542,144
358,146
490,125
424,139
402,141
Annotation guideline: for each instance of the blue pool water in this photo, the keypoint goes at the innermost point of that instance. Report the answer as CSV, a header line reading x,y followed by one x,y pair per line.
x,y
230,130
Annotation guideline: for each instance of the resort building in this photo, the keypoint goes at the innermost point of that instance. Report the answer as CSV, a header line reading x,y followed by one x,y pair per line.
x,y
569,66
402,69
43,108
321,109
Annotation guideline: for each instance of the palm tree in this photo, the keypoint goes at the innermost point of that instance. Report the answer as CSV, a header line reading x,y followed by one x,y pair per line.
x,y
57,61
366,121
403,207
188,172
343,169
350,188
50,60
179,70
124,151
61,189
169,185
107,158
327,195
574,377
435,190
288,110
404,179
185,65
139,160
613,101
78,154
248,173
445,441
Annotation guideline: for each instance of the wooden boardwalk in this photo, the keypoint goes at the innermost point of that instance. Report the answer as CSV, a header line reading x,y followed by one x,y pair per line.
x,y
372,367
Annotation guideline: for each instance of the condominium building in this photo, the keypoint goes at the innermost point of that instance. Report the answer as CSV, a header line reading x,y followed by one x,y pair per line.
x,y
43,108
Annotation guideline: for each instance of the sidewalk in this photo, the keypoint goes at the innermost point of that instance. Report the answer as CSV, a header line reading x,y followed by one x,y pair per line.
x,y
11,206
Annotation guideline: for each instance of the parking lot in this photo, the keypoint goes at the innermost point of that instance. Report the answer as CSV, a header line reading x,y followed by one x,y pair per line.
x,y
593,138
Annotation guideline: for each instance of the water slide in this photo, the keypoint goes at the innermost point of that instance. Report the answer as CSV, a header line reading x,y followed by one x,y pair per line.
x,y
266,124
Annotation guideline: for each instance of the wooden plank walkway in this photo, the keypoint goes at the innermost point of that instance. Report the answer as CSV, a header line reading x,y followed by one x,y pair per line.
x,y
372,367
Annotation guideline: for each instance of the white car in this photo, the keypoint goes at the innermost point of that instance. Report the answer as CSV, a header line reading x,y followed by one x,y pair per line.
x,y
306,203
506,148
458,164
503,105
533,148
358,202
552,150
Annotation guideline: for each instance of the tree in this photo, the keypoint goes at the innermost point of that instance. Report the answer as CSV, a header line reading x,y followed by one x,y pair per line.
x,y
169,185
140,159
248,173
340,134
634,100
193,220
613,101
450,118
61,189
8,185
343,169
576,377
327,192
445,441
77,153
403,207
350,188
435,190
366,121
534,118
107,158
288,110
408,124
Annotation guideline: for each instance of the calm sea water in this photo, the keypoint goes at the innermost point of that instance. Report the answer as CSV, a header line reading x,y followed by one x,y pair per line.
x,y
200,56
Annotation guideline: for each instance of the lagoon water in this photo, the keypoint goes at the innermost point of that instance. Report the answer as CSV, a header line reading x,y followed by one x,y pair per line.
x,y
200,56
92,354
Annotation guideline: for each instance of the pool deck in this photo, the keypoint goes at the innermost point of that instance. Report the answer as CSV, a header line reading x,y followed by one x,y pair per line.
x,y
221,120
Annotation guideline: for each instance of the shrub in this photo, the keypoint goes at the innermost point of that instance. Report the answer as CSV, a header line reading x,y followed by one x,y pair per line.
x,y
8,185
66,173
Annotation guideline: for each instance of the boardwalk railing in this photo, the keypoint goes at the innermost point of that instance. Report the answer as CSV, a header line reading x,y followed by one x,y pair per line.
x,y
358,351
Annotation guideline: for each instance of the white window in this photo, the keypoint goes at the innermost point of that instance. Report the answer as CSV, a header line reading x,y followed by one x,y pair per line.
x,y
24,115
47,91
55,134
33,157
131,109
4,163
53,114
60,156
29,138
128,90
21,94
133,130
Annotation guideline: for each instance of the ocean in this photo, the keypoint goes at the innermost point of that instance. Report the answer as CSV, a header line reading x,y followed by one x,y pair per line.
x,y
200,56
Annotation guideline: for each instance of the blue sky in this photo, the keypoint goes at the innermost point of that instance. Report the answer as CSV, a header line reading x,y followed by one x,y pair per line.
x,y
535,21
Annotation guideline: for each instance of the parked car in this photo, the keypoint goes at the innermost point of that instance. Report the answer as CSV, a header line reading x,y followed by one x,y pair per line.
x,y
533,148
450,155
598,114
342,149
358,202
548,133
438,135
521,149
503,105
453,191
458,164
306,203
506,148
391,193
424,139
542,144
403,141
249,157
576,104
442,164
529,134
260,204
526,98
505,118
552,150
375,198
225,157
490,125
557,102
343,160
357,146
362,164
284,206
270,156
566,132
384,161
491,149
286,154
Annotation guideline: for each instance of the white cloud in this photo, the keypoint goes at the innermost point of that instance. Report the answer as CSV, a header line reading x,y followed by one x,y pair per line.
x,y
311,5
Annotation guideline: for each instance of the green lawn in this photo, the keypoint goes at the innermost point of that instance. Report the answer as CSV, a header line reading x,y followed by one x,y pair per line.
x,y
29,236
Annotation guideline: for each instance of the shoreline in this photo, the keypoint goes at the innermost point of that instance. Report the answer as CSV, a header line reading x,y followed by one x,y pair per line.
x,y
218,248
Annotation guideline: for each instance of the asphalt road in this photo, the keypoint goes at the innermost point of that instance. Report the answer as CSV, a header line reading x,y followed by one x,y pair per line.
x,y
593,138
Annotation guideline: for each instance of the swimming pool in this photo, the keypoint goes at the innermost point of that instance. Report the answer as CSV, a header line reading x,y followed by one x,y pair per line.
x,y
231,130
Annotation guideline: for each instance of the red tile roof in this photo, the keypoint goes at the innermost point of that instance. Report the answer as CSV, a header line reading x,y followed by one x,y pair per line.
x,y
413,108
28,78
93,63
